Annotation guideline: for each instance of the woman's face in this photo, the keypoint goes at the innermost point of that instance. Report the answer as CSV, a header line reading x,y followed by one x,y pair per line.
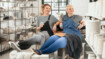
x,y
70,10
47,9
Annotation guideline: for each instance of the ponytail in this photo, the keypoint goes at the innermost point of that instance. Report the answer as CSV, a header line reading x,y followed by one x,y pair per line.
x,y
42,8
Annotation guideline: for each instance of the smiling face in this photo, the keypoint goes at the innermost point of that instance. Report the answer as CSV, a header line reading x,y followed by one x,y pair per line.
x,y
47,9
70,9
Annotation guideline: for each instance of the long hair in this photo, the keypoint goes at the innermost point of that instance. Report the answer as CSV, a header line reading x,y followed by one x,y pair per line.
x,y
42,8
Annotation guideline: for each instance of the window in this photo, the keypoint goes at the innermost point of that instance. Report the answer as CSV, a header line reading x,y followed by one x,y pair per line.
x,y
58,6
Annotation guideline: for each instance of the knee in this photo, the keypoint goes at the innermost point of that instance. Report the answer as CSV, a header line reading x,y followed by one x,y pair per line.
x,y
62,42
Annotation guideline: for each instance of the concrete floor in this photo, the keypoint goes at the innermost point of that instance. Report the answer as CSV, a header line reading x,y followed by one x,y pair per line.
x,y
5,55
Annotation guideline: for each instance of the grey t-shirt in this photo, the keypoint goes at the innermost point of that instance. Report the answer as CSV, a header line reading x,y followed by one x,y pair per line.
x,y
43,19
77,19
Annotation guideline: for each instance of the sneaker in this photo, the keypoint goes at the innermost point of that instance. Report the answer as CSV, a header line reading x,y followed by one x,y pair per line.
x,y
38,52
15,46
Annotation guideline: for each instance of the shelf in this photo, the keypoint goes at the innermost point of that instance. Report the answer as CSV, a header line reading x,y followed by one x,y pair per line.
x,y
55,2
16,19
6,20
10,11
100,18
26,1
97,55
29,7
16,1
8,1
102,22
97,17
2,35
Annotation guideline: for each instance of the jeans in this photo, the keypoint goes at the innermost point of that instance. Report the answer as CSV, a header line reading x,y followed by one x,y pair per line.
x,y
53,44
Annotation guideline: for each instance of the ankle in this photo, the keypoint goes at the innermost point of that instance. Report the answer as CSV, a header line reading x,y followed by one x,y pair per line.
x,y
17,43
40,52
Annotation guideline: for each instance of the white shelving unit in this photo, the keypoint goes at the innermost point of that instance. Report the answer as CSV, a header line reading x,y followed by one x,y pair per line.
x,y
96,10
15,9
97,55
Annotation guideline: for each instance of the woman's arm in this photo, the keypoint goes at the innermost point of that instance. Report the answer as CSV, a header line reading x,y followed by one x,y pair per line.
x,y
82,23
38,24
55,26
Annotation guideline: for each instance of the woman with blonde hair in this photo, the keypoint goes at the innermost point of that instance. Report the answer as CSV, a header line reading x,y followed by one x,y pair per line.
x,y
45,23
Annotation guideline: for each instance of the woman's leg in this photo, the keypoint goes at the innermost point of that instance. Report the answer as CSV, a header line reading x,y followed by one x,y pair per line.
x,y
25,44
59,43
51,40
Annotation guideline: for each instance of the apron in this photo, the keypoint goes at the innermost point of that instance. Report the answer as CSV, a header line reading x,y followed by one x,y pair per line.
x,y
70,27
46,27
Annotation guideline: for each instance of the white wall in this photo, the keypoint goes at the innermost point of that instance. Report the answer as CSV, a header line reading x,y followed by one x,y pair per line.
x,y
80,6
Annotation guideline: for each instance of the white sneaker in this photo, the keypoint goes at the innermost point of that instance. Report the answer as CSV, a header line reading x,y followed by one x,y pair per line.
x,y
15,46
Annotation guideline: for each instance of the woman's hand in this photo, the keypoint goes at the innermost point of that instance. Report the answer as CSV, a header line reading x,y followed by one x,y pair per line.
x,y
38,28
41,25
80,26
54,28
61,25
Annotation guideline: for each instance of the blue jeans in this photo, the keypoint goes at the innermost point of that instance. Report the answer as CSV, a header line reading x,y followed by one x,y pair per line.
x,y
53,44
